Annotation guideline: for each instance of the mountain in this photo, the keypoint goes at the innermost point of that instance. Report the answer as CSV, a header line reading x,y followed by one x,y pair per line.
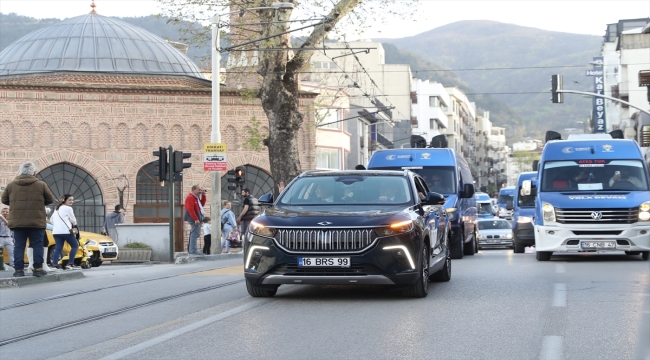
x,y
489,44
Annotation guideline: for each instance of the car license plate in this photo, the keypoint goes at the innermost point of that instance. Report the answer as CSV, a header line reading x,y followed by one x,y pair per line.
x,y
109,249
611,245
323,262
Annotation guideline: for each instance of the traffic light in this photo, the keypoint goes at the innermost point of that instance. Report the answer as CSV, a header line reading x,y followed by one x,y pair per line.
x,y
240,178
232,179
179,165
162,164
556,84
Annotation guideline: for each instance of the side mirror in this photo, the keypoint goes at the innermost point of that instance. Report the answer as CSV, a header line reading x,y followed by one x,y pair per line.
x,y
535,165
468,191
434,199
526,188
509,205
266,199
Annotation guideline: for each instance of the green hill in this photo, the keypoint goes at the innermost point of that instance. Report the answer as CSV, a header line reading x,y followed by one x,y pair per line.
x,y
490,44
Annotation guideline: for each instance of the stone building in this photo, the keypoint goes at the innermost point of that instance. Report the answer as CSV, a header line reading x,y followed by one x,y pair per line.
x,y
89,99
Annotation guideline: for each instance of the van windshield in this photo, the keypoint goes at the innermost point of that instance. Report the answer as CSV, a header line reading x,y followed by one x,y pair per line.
x,y
504,198
440,179
594,175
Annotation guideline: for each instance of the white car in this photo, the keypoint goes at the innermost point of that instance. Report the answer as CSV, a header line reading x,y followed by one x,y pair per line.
x,y
494,233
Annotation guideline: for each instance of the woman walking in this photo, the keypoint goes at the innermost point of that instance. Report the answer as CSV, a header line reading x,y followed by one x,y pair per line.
x,y
229,222
63,220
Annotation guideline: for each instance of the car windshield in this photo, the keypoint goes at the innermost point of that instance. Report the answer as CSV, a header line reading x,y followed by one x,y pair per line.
x,y
504,198
484,208
348,189
594,175
493,224
441,179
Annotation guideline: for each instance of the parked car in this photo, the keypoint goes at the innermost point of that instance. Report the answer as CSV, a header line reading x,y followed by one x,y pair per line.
x,y
494,233
350,227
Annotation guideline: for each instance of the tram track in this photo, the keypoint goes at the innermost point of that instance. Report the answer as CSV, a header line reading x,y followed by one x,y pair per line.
x,y
107,314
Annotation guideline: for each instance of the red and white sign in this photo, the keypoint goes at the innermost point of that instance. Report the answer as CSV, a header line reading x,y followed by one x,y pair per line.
x,y
215,162
215,166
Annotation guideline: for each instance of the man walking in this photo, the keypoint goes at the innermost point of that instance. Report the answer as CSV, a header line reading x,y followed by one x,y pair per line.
x,y
6,238
251,210
27,196
112,219
194,214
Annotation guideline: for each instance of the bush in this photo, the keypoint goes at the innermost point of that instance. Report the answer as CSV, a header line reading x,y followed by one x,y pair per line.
x,y
137,245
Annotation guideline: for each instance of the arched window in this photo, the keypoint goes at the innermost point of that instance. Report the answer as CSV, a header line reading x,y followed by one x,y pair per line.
x,y
88,205
257,180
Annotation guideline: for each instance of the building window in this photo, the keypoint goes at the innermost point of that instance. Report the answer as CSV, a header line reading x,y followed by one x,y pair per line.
x,y
329,119
455,128
433,124
325,65
328,159
433,101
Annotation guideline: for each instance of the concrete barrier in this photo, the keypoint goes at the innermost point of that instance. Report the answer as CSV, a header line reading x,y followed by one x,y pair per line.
x,y
29,279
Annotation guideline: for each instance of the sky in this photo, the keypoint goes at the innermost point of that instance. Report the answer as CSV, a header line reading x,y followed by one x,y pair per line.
x,y
581,17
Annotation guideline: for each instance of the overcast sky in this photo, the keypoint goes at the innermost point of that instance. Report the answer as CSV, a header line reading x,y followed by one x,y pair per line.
x,y
583,17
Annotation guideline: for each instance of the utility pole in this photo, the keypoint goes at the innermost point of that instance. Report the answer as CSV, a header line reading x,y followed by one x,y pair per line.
x,y
215,136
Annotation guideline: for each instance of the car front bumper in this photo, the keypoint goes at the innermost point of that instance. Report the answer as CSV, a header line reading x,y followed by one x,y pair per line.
x,y
265,263
505,214
555,238
488,243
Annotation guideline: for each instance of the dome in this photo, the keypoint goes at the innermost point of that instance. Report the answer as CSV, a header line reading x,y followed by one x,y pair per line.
x,y
94,43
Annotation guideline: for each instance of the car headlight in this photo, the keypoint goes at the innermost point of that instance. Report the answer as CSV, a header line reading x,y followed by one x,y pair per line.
x,y
507,236
548,212
91,242
502,209
396,228
260,230
524,219
644,211
452,213
481,236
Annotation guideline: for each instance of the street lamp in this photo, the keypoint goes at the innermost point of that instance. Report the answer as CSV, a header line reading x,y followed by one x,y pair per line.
x,y
215,135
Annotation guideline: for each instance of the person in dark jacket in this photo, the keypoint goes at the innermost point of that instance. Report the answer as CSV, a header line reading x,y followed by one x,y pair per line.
x,y
249,212
194,213
27,196
112,219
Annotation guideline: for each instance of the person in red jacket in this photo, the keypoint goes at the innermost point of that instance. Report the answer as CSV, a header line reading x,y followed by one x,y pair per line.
x,y
194,214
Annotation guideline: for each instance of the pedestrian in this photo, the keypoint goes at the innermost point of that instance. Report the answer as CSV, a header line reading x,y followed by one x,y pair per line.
x,y
194,213
64,221
228,223
249,212
30,249
207,235
112,219
27,197
6,237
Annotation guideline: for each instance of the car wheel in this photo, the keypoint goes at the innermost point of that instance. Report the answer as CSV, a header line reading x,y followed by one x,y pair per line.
x,y
444,274
96,261
633,253
543,255
476,248
470,247
261,291
457,248
85,264
421,287
645,255
518,248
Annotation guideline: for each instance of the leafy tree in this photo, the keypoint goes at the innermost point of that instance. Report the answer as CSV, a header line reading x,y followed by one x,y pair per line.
x,y
279,87
523,160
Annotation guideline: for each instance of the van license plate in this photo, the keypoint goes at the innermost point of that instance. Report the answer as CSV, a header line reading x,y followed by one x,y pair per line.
x,y
323,262
610,245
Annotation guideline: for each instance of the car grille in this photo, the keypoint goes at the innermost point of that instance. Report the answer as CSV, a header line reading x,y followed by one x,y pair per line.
x,y
330,240
494,236
609,216
109,255
106,244
596,232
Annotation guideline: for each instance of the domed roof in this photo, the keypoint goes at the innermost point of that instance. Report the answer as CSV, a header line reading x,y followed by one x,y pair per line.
x,y
94,43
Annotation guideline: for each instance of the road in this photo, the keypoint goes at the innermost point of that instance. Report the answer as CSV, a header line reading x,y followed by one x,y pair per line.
x,y
498,305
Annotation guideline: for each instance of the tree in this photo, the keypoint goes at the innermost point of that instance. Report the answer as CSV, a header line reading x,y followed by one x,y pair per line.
x,y
524,160
280,70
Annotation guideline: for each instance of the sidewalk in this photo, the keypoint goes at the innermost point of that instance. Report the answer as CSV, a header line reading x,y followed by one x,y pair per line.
x,y
7,280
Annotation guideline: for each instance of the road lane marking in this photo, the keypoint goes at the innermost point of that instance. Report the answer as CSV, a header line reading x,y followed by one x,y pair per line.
x,y
559,295
230,270
178,332
149,329
551,348
559,268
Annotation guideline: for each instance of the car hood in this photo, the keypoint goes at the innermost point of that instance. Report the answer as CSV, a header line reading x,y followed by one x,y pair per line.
x,y
313,215
595,199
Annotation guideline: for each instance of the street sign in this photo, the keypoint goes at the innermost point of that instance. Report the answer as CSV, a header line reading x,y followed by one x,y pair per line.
x,y
214,147
215,161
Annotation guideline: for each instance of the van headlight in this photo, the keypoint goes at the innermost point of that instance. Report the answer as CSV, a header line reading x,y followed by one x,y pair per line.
x,y
260,230
548,212
452,213
644,211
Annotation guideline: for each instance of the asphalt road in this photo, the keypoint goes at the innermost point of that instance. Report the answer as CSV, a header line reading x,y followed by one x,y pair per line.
x,y
498,305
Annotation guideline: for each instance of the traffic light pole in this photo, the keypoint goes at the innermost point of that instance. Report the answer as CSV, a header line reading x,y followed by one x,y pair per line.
x,y
604,97
215,137
171,203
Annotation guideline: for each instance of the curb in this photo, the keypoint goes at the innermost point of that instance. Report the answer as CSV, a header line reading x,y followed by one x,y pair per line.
x,y
28,279
185,258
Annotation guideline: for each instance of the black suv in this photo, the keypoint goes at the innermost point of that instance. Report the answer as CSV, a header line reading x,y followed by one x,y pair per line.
x,y
349,227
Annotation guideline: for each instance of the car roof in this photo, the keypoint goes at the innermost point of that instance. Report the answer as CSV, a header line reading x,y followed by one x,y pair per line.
x,y
318,173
